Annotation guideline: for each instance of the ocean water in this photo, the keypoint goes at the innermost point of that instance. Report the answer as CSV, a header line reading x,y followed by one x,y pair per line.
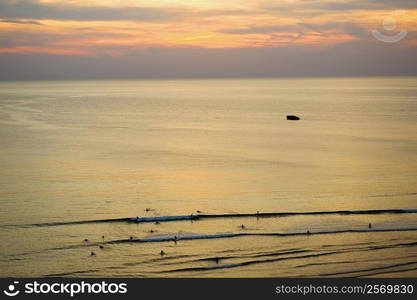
x,y
82,159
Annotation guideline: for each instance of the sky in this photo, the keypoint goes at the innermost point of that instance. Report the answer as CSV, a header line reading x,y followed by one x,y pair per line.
x,y
123,39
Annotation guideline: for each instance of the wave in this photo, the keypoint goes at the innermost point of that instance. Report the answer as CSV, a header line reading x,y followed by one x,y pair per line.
x,y
249,259
336,212
268,254
192,217
304,256
369,269
334,231
164,218
176,238
388,272
246,263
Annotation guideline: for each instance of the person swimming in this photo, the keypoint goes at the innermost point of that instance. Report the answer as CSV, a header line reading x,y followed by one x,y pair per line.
x,y
369,225
162,253
93,253
242,226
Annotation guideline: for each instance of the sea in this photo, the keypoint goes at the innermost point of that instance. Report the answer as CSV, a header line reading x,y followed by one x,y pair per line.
x,y
207,178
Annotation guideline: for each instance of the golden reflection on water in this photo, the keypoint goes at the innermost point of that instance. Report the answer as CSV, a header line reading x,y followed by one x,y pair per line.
x,y
216,146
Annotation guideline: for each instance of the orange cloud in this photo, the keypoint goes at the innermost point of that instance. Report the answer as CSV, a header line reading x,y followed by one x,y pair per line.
x,y
69,28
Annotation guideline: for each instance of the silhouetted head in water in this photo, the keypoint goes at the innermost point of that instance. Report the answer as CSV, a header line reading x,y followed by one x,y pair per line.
x,y
162,252
151,231
85,240
131,238
216,260
308,232
101,247
92,253
242,226
147,209
102,237
370,225
157,222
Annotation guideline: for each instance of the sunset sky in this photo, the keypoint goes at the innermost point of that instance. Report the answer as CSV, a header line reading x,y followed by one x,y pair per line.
x,y
204,38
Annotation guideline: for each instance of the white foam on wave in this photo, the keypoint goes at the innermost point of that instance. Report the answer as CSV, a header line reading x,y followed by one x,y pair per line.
x,y
164,218
167,238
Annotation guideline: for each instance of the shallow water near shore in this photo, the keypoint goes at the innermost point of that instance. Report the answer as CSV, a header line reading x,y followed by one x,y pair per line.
x,y
75,155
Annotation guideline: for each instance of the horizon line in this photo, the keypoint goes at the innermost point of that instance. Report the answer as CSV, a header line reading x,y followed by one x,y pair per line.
x,y
210,78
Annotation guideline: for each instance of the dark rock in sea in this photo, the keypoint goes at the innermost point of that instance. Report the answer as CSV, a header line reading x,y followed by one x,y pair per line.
x,y
292,117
